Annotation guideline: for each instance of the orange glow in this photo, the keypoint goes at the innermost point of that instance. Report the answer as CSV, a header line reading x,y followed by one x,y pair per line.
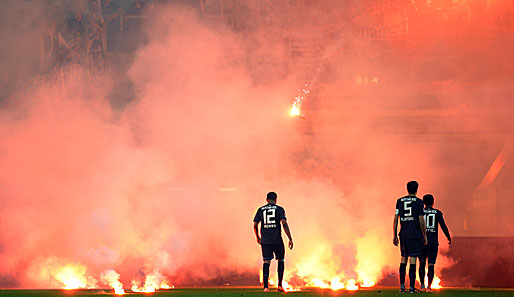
x,y
320,268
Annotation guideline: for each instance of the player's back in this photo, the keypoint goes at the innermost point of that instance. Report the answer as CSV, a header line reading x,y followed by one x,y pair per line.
x,y
270,216
408,209
433,219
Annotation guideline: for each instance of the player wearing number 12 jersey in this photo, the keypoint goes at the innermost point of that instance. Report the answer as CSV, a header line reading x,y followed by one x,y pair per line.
x,y
433,219
409,210
271,216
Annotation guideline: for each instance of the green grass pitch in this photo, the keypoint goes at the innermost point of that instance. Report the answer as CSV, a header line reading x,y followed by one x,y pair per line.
x,y
254,292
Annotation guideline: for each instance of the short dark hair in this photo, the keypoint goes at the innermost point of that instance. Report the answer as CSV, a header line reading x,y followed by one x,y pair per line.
x,y
271,196
428,200
412,187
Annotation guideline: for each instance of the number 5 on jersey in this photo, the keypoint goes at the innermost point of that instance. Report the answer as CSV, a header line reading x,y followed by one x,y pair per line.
x,y
407,208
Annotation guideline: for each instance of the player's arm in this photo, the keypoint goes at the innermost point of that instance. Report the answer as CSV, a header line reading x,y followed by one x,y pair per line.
x,y
288,232
395,229
256,219
256,231
423,229
445,228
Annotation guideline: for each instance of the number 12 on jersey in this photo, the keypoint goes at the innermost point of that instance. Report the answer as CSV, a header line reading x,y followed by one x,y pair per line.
x,y
268,216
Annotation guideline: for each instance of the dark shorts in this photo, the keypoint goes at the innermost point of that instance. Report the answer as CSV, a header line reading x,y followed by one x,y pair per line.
x,y
269,249
429,252
411,247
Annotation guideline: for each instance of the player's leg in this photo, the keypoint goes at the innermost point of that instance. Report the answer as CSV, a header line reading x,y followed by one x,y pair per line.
x,y
403,265
430,276
422,265
265,274
267,255
412,273
414,250
432,257
280,252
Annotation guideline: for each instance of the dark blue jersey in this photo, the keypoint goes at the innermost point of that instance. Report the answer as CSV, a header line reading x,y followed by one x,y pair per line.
x,y
408,209
269,216
433,218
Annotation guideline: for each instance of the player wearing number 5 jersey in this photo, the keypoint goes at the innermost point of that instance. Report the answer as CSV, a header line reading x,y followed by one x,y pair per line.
x,y
271,216
409,210
433,219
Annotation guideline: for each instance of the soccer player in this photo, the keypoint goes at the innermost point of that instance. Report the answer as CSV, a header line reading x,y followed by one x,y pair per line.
x,y
271,216
433,218
412,233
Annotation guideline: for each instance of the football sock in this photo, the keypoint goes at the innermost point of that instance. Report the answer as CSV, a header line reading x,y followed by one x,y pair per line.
x,y
265,274
403,268
280,269
412,275
430,275
422,273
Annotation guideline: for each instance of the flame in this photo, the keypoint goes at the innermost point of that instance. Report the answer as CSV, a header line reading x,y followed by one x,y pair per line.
x,y
367,283
295,110
321,268
153,282
436,283
370,259
69,276
351,285
298,100
316,282
166,285
336,284
112,278
72,276
289,288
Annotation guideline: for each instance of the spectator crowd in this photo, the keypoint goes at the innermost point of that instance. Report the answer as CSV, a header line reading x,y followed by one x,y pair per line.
x,y
83,38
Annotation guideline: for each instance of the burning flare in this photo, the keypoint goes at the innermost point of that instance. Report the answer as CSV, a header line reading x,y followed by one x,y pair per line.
x,y
298,100
436,283
367,283
351,285
295,110
289,288
112,278
69,276
336,284
73,276
153,282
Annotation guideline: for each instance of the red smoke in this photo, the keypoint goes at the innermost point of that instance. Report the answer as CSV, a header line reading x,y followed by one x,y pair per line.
x,y
168,184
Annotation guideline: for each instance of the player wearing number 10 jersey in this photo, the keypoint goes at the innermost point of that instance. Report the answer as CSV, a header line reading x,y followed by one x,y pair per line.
x,y
271,216
433,219
409,210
